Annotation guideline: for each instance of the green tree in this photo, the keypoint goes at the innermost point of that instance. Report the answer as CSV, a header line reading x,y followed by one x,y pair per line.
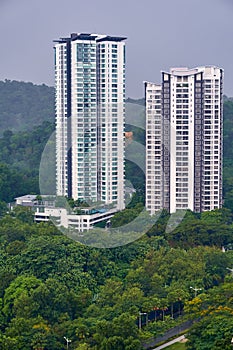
x,y
213,331
20,289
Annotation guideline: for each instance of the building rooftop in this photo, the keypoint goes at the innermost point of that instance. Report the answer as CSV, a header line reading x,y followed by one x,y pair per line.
x,y
27,197
89,36
183,71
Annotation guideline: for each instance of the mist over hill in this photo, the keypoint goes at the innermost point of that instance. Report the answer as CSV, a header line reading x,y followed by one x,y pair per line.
x,y
24,105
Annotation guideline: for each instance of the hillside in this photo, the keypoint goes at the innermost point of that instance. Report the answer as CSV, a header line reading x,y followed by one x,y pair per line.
x,y
53,287
24,105
27,110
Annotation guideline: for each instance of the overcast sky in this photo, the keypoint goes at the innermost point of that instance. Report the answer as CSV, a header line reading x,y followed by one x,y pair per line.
x,y
161,34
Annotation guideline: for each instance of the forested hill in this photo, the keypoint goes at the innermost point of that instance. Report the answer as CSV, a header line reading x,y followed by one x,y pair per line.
x,y
53,288
27,121
24,105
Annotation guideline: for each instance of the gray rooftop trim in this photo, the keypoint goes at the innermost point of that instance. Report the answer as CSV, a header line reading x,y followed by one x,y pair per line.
x,y
27,197
89,36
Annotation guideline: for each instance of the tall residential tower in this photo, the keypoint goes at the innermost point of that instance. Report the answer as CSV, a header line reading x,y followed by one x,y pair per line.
x,y
90,114
184,117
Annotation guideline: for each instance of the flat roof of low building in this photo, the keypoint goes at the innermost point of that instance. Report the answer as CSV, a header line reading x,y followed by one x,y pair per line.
x,y
30,197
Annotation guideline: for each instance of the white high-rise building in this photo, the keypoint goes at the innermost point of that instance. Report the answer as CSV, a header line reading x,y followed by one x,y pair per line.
x,y
153,147
184,117
90,117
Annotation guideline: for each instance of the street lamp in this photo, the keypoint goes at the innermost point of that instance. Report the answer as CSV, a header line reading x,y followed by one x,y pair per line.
x,y
67,342
140,319
196,290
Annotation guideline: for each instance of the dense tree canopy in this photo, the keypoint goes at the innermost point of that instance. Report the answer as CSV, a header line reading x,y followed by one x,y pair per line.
x,y
54,287
20,158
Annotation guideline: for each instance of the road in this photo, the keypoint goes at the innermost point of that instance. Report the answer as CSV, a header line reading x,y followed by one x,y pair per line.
x,y
169,343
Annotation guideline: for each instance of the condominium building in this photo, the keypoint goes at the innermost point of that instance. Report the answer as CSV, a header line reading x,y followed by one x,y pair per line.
x,y
184,117
90,117
153,147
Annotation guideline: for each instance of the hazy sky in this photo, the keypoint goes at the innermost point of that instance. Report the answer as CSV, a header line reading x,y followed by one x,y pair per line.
x,y
161,34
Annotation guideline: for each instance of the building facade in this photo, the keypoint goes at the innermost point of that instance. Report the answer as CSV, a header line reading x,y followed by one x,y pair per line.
x,y
154,200
90,117
184,117
85,221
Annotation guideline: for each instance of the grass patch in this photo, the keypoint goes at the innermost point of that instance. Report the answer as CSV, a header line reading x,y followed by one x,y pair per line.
x,y
177,346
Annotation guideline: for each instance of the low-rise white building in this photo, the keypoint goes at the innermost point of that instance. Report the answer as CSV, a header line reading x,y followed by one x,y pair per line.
x,y
81,222
26,201
81,219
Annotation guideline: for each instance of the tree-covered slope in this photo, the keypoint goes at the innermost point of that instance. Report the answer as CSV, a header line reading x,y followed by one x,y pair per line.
x,y
28,111
24,105
52,287
228,152
20,156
